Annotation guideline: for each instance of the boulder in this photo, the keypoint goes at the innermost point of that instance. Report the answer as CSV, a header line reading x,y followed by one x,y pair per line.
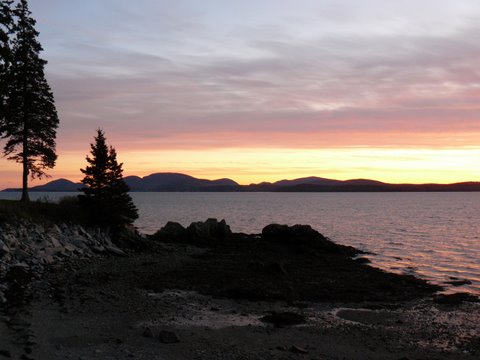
x,y
115,251
54,241
209,231
98,249
10,239
45,257
303,237
148,333
70,247
4,249
289,234
171,231
168,337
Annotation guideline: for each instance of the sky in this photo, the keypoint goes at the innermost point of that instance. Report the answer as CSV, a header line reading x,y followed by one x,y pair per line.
x,y
266,90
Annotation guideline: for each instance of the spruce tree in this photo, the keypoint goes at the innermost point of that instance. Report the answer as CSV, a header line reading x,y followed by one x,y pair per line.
x,y
31,120
6,28
106,197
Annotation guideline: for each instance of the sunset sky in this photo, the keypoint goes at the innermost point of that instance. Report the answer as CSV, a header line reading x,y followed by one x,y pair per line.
x,y
266,89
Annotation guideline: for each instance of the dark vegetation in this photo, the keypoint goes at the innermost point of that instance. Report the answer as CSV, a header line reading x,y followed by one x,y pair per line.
x,y
28,116
106,200
67,210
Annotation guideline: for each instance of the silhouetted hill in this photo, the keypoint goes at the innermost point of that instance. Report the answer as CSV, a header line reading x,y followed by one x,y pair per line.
x,y
59,185
312,180
182,182
178,182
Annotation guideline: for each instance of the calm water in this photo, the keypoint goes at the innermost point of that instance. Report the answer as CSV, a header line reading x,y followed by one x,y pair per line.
x,y
432,235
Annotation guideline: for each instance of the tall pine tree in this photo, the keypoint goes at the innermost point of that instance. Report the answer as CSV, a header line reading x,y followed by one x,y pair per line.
x,y
106,196
31,120
6,28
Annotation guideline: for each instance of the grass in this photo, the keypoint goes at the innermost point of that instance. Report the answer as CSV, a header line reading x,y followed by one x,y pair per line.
x,y
67,210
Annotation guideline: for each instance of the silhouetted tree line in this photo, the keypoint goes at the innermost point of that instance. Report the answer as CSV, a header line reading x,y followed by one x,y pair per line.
x,y
29,121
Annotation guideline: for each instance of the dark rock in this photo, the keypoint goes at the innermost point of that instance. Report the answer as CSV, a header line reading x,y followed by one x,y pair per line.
x,y
98,249
4,249
362,260
148,333
276,269
284,319
115,251
459,282
273,268
168,337
18,277
5,353
303,235
298,350
209,231
242,293
290,234
171,231
455,299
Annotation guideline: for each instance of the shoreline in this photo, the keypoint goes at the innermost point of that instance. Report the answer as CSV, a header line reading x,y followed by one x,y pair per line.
x,y
202,292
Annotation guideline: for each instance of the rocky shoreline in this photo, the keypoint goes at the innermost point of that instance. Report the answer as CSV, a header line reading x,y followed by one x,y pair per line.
x,y
30,246
203,292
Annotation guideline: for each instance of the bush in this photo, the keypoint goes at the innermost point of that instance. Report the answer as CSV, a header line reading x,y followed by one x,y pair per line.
x,y
67,210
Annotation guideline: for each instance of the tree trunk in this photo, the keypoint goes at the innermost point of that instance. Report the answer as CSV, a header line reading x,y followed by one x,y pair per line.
x,y
25,198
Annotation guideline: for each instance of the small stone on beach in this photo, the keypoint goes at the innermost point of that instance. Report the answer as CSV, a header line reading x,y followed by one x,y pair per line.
x,y
148,333
298,350
168,337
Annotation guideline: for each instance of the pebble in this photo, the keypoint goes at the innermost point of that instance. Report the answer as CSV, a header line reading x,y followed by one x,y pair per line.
x,y
298,350
148,333
168,337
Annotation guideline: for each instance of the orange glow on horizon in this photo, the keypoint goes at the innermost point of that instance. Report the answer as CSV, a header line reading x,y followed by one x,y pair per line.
x,y
394,165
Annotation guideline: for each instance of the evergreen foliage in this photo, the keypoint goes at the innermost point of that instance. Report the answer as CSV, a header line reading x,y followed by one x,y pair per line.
x,y
30,120
6,28
106,197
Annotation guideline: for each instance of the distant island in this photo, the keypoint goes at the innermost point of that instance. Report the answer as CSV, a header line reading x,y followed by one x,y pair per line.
x,y
175,182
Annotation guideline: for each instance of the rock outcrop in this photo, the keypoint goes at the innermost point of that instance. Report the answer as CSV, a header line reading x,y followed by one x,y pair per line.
x,y
303,236
31,246
199,233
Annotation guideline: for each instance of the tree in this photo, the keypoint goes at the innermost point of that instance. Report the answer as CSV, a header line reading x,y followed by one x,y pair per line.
x,y
30,120
6,27
106,197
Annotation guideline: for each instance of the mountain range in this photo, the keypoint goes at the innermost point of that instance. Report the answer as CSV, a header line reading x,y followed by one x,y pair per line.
x,y
163,182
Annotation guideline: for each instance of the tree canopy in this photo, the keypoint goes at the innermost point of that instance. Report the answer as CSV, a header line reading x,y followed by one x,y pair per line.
x,y
105,193
29,120
6,29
